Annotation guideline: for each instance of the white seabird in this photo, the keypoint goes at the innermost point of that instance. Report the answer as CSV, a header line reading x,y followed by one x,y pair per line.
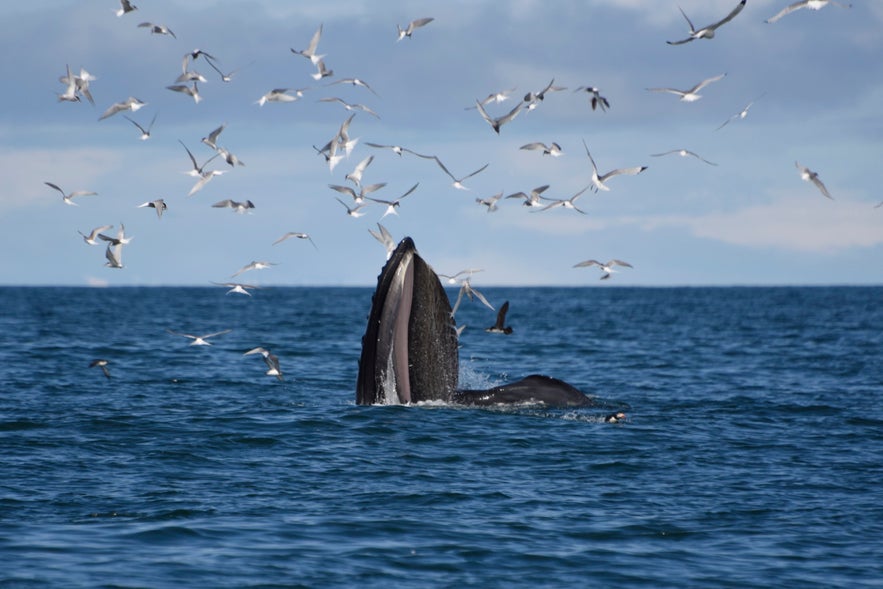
x,y
707,32
690,95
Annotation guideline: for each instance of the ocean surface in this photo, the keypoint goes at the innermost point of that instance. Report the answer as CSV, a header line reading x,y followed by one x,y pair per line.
x,y
752,455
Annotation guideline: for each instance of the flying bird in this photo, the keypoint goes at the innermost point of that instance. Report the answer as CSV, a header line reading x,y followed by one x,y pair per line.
x,y
298,235
125,7
119,239
237,287
553,149
192,91
102,364
92,236
490,202
145,133
458,182
158,204
532,99
355,82
810,176
280,95
200,340
385,238
707,32
467,290
156,29
683,153
596,99
321,71
531,199
114,255
500,325
253,266
567,203
495,97
498,122
350,106
606,267
392,205
238,207
412,26
270,360
690,95
739,115
356,175
598,180
67,198
310,51
131,103
811,4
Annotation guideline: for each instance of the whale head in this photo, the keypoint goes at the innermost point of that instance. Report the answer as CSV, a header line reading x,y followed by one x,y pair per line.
x,y
409,350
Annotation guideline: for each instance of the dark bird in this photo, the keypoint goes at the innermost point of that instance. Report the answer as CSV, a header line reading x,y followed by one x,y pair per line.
x,y
500,326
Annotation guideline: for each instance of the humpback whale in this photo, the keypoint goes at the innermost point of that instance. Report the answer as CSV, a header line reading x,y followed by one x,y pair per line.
x,y
410,347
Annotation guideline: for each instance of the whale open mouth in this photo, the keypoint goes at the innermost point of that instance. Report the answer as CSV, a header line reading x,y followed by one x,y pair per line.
x,y
409,350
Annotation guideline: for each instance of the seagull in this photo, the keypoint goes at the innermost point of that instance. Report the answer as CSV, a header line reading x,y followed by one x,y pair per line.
x,y
310,51
500,326
554,149
125,7
145,133
707,32
158,204
598,181
356,175
385,238
532,199
253,266
355,82
458,182
120,238
238,207
739,115
596,100
200,340
412,26
810,176
490,202
683,153
280,95
350,106
102,364
565,203
67,198
811,4
192,91
499,121
158,29
270,359
392,205
298,235
131,103
237,287
93,235
606,268
691,94
114,255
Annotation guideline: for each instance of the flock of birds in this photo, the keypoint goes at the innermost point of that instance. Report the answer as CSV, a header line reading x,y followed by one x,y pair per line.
x,y
355,195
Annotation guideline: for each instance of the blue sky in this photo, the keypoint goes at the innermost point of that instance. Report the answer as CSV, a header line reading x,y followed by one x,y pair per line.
x,y
816,79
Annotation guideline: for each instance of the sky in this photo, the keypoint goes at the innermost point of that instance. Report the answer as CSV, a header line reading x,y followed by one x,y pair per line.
x,y
814,80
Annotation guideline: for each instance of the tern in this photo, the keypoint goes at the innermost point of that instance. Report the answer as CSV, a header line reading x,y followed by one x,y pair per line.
x,y
280,95
811,4
125,7
412,26
495,97
298,235
358,197
596,99
683,153
452,278
458,182
70,92
810,176
237,287
739,115
238,207
321,71
707,32
114,255
690,95
385,238
355,211
192,91
131,103
212,138
197,171
145,133
553,149
67,198
270,360
396,149
355,82
158,204
532,99
310,51
200,340
92,236
533,198
356,175
119,239
490,202
204,179
253,266
566,203
500,325
598,181
606,267
392,205
467,290
156,29
498,122
350,106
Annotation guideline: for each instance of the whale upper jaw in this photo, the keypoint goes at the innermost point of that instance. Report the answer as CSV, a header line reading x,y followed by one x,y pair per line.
x,y
409,350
